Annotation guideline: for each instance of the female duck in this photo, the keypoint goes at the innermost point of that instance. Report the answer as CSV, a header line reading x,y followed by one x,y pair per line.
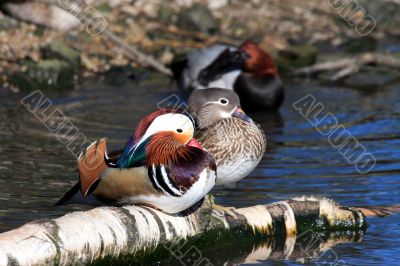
x,y
162,166
247,70
227,133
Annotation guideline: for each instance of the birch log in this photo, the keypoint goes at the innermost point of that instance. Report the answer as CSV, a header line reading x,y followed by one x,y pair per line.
x,y
85,237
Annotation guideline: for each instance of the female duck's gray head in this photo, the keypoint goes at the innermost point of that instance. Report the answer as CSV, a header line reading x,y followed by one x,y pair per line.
x,y
211,105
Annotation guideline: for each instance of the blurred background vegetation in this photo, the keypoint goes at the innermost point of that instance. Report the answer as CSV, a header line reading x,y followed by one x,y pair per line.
x,y
41,47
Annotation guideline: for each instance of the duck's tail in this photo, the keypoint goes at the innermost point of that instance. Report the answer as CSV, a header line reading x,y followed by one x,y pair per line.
x,y
73,192
379,211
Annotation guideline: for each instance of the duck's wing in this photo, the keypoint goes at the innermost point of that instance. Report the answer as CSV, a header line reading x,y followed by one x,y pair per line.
x,y
116,176
185,173
113,157
101,180
91,164
125,184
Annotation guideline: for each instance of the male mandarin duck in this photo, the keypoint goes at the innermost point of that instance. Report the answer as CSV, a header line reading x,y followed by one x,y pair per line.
x,y
247,70
233,139
162,166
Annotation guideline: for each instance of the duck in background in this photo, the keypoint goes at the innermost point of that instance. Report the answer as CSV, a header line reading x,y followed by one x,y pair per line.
x,y
161,166
232,138
247,69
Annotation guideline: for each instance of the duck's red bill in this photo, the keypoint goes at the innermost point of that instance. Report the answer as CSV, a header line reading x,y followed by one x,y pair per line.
x,y
194,143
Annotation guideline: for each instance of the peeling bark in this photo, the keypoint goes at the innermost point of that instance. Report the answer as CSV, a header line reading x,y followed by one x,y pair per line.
x,y
83,237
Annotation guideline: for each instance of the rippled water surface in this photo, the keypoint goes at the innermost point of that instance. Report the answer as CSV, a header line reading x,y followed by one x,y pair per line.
x,y
36,169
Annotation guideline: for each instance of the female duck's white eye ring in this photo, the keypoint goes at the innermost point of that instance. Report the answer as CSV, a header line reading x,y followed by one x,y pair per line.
x,y
223,101
179,130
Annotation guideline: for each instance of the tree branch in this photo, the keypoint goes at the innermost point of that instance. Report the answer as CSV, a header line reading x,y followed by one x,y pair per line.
x,y
82,237
347,66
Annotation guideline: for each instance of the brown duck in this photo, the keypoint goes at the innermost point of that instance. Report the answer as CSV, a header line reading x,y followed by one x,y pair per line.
x,y
235,141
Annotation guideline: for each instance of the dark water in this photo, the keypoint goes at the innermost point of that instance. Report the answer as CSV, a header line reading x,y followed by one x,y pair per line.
x,y
36,168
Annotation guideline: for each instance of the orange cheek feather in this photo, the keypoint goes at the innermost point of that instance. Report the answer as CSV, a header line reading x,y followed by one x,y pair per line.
x,y
182,137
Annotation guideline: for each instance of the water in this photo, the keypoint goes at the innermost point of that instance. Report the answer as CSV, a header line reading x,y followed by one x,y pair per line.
x,y
36,169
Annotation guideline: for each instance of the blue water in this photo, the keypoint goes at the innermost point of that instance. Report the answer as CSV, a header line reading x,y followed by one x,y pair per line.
x,y
36,168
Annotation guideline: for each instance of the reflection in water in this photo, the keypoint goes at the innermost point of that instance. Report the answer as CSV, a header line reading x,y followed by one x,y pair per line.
x,y
307,247
36,169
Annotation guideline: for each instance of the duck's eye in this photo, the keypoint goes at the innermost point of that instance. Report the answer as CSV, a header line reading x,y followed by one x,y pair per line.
x,y
179,130
224,101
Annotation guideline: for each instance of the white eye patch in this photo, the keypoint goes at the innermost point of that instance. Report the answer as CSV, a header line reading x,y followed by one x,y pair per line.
x,y
170,122
167,122
219,102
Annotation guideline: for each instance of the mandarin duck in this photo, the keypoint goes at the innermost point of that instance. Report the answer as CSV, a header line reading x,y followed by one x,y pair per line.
x,y
162,166
246,69
234,140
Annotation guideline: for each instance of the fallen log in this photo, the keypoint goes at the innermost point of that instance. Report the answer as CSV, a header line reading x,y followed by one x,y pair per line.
x,y
110,232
